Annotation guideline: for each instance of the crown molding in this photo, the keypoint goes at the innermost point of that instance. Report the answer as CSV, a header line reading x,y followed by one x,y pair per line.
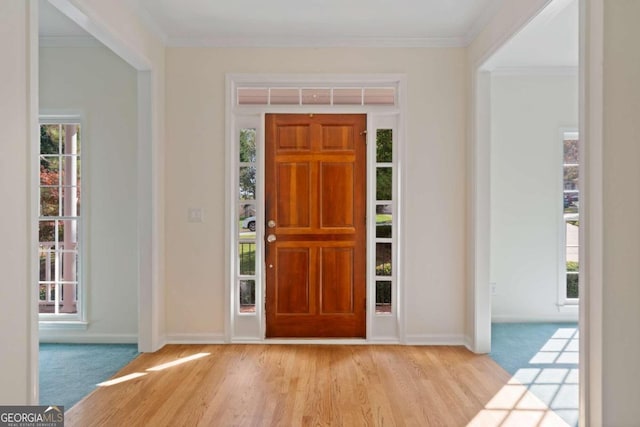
x,y
283,41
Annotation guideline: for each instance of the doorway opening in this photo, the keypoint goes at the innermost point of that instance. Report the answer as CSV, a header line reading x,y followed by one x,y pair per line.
x,y
530,89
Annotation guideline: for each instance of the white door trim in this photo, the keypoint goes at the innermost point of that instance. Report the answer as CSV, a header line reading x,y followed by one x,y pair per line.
x,y
243,328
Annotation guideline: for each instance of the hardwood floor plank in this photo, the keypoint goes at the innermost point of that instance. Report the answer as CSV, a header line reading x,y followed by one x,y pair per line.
x,y
297,385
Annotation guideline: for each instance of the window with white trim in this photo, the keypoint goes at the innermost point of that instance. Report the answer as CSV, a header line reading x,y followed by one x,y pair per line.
x,y
246,198
571,217
384,221
59,230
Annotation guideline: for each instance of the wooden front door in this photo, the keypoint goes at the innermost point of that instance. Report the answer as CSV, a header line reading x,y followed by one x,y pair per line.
x,y
315,234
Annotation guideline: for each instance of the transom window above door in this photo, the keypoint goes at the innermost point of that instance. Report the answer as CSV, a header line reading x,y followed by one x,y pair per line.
x,y
316,96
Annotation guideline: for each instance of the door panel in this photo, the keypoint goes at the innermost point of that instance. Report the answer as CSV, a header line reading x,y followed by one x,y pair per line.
x,y
293,281
292,195
316,195
337,280
336,190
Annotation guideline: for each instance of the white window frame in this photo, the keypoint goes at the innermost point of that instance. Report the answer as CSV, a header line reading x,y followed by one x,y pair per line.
x,y
250,327
564,303
68,320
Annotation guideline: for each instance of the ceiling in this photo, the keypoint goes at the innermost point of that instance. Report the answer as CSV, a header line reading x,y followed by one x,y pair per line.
x,y
549,40
312,22
320,22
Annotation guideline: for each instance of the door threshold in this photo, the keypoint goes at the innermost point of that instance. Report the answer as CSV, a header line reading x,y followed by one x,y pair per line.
x,y
315,341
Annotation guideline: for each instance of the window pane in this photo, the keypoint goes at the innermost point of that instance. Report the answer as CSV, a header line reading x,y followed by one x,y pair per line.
x,y
46,232
247,183
253,96
285,96
68,234
316,96
384,221
572,237
68,264
248,145
247,221
383,259
247,258
571,201
383,296
47,263
384,184
247,296
380,96
49,202
572,285
49,170
347,96
70,139
571,178
70,201
49,139
571,151
384,146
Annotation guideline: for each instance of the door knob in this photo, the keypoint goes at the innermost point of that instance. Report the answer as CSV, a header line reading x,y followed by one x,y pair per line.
x,y
271,223
271,238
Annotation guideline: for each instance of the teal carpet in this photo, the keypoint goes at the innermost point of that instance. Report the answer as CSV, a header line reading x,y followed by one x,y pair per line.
x,y
544,358
69,372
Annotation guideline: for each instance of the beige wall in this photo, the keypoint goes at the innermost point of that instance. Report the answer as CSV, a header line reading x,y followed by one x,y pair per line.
x,y
100,86
621,301
435,176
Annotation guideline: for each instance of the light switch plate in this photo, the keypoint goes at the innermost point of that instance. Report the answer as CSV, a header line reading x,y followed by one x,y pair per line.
x,y
195,215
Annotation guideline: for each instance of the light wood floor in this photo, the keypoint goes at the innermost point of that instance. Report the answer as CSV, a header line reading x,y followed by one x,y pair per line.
x,y
296,385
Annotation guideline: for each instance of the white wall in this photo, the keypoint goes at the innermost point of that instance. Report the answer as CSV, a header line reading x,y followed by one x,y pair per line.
x,y
527,116
435,185
96,83
621,208
15,319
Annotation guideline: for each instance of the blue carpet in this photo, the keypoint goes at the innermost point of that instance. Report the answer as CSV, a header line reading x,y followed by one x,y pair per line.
x,y
69,372
544,358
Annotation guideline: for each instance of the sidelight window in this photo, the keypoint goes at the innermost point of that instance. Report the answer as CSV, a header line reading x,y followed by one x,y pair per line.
x,y
246,199
384,209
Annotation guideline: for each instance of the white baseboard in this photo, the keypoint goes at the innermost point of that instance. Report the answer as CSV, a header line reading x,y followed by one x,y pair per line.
x,y
435,339
468,343
383,341
197,338
70,337
560,317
